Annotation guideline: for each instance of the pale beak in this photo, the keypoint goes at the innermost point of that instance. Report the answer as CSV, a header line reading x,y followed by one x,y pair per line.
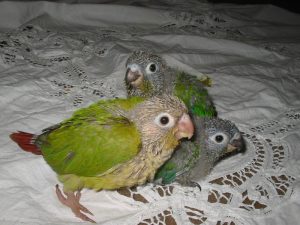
x,y
230,148
185,127
235,145
134,76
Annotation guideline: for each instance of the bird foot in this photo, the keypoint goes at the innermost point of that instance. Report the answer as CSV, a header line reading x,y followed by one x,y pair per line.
x,y
189,183
72,201
195,184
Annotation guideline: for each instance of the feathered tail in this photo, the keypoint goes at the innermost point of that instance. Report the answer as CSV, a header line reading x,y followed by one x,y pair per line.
x,y
26,142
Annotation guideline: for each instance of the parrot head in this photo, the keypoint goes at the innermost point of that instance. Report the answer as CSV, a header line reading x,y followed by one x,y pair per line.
x,y
222,137
144,74
163,120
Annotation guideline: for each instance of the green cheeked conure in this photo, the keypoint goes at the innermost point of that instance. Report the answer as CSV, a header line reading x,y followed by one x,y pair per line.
x,y
194,160
110,144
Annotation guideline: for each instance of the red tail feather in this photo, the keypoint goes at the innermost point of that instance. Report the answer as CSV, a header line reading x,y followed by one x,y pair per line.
x,y
25,141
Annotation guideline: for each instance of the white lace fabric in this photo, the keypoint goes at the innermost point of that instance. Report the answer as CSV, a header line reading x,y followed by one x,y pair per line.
x,y
53,64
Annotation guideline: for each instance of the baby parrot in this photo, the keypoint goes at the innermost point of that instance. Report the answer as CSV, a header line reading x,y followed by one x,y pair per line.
x,y
148,75
215,138
110,144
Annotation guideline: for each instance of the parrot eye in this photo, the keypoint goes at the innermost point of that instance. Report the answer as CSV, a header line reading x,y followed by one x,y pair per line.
x,y
164,120
219,138
151,68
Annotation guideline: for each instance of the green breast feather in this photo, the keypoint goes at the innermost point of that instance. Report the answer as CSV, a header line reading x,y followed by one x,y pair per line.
x,y
84,144
192,92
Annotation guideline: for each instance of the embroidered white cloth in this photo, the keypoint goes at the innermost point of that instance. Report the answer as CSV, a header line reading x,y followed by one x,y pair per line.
x,y
56,58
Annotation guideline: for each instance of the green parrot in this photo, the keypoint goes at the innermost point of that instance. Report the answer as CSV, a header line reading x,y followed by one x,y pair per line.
x,y
110,144
148,75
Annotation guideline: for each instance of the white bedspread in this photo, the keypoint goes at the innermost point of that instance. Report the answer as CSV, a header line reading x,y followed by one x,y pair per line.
x,y
56,58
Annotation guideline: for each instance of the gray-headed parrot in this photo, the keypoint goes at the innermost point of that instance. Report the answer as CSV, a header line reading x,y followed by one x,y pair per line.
x,y
194,160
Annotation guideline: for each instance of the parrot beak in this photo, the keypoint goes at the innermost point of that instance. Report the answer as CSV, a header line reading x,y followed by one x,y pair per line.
x,y
185,127
236,144
230,148
134,76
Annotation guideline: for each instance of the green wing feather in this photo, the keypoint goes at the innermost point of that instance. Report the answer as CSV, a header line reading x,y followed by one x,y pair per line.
x,y
192,92
182,160
93,140
167,173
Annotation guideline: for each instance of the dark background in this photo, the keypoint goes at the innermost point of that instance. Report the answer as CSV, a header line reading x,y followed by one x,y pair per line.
x,y
291,5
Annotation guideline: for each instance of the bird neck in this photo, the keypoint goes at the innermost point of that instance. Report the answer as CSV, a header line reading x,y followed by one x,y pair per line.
x,y
160,151
151,158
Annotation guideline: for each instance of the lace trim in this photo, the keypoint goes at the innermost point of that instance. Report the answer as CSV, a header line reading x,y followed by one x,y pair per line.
x,y
232,193
229,197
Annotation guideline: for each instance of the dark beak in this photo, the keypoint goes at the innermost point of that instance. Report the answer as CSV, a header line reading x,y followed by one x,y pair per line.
x,y
236,145
133,78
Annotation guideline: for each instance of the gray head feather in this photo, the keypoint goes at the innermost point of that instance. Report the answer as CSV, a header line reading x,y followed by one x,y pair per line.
x,y
214,138
148,68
